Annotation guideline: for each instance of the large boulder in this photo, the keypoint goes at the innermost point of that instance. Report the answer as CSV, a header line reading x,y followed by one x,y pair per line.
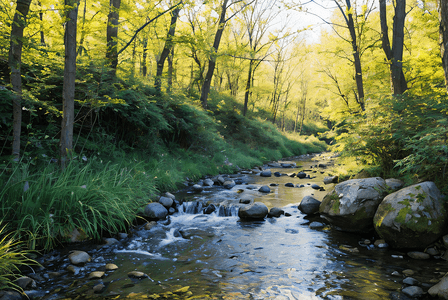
x,y
309,205
412,217
254,211
155,211
351,205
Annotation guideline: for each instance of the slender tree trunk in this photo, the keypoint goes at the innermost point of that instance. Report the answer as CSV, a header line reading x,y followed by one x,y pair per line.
x,y
166,49
83,32
248,86
212,61
144,56
41,18
68,90
443,34
15,62
170,70
394,54
112,36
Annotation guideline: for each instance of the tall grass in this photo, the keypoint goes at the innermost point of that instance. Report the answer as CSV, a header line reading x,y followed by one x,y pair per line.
x,y
46,206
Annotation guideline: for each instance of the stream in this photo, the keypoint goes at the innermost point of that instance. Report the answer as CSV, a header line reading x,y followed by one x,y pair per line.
x,y
218,256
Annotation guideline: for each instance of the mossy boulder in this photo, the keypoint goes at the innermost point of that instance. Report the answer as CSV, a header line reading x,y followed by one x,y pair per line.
x,y
351,205
412,217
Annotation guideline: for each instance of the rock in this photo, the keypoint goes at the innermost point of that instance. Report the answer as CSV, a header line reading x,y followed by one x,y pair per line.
x,y
410,281
266,173
54,274
288,164
150,225
208,182
155,211
137,274
166,202
445,241
408,272
352,204
220,179
190,232
122,235
25,283
331,179
275,212
413,291
394,184
277,174
289,184
440,289
418,255
10,295
309,205
301,175
96,275
111,267
169,195
254,211
413,217
316,225
209,209
99,288
273,184
432,251
315,186
110,241
197,188
78,257
73,269
264,189
229,184
246,199
77,235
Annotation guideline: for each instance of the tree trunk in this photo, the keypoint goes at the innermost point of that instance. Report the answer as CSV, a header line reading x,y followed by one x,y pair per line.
x,y
83,32
41,18
144,56
248,86
395,54
68,90
212,60
443,33
15,62
112,36
166,49
170,70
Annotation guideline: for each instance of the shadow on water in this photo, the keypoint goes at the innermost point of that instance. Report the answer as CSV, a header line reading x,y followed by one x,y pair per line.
x,y
219,256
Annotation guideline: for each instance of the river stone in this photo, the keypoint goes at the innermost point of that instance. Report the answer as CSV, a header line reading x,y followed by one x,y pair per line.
x,y
289,184
137,274
440,289
188,233
166,202
410,281
418,255
394,184
79,257
254,211
413,217
351,205
197,188
209,209
309,205
10,295
110,241
155,211
301,175
96,275
316,225
264,189
73,269
228,184
246,199
169,195
277,174
266,173
315,186
413,291
275,212
99,288
432,251
408,272
150,225
25,283
331,179
111,267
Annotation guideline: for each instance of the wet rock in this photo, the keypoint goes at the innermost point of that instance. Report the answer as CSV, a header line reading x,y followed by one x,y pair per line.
x,y
229,184
432,251
96,275
169,195
408,272
188,233
54,274
197,188
166,202
220,179
315,186
150,225
208,182
289,184
254,211
418,255
440,289
111,267
99,288
275,212
330,179
264,189
246,199
266,173
110,241
79,257
155,211
413,291
34,294
122,235
380,243
413,217
301,175
273,184
73,269
25,283
316,225
395,273
10,295
410,281
352,204
288,164
277,174
309,205
137,274
209,209
394,184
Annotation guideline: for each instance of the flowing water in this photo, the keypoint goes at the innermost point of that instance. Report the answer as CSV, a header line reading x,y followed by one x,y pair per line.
x,y
217,256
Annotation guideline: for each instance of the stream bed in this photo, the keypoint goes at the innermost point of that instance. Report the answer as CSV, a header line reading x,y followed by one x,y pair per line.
x,y
193,255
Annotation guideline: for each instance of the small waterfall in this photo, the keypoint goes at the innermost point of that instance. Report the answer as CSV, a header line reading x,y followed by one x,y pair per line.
x,y
198,207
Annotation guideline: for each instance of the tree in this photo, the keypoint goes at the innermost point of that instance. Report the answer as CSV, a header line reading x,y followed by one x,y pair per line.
x,y
68,90
15,62
394,54
112,36
443,32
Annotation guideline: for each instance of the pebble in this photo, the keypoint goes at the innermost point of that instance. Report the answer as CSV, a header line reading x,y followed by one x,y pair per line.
x,y
432,251
79,257
410,281
54,274
150,225
73,269
418,255
25,283
413,291
137,274
96,275
396,273
111,267
99,288
264,189
408,272
122,235
315,225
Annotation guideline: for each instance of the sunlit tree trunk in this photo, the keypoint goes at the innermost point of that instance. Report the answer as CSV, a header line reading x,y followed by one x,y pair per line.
x,y
68,89
170,70
144,57
166,49
41,18
112,36
443,33
15,62
394,54
83,32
